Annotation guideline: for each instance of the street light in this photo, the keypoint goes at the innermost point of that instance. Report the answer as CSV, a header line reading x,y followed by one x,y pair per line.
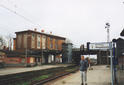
x,y
107,26
110,43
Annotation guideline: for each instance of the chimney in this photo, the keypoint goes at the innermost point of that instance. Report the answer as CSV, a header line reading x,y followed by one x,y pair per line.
x,y
50,32
42,30
35,29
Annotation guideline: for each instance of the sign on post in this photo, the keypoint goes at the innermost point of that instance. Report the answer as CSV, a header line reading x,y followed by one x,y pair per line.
x,y
99,46
104,46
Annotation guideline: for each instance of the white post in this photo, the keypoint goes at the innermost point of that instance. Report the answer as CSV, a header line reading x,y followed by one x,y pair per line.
x,y
108,38
112,77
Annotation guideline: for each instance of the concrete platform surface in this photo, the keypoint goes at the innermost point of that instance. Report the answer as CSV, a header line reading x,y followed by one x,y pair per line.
x,y
13,70
100,75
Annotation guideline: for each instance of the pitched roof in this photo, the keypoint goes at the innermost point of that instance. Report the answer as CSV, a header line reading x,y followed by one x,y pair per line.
x,y
50,35
122,33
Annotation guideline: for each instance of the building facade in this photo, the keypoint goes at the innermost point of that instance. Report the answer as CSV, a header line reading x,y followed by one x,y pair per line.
x,y
38,47
34,40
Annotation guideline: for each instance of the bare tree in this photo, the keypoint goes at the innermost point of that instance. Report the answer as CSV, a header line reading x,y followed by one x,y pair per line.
x,y
9,39
2,42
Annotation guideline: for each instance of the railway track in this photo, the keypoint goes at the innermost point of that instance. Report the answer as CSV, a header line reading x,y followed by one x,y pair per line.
x,y
36,77
53,78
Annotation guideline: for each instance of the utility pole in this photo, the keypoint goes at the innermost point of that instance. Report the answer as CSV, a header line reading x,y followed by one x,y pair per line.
x,y
42,55
42,49
107,26
110,50
26,51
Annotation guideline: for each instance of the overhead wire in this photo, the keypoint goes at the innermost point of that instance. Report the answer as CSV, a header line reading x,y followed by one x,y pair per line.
x,y
25,18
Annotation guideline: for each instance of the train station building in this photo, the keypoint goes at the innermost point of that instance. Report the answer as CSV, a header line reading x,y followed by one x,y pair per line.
x,y
35,48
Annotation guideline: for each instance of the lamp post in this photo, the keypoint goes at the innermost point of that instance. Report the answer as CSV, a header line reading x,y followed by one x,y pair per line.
x,y
107,26
108,34
111,51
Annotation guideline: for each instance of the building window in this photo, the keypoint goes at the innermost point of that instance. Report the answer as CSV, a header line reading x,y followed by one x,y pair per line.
x,y
56,44
19,40
33,40
51,43
38,45
38,41
43,42
25,40
33,35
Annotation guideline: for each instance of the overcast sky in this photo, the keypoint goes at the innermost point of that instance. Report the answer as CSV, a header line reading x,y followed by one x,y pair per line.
x,y
79,20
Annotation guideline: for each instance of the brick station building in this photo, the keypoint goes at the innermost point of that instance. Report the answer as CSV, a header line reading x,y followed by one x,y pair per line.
x,y
35,48
38,47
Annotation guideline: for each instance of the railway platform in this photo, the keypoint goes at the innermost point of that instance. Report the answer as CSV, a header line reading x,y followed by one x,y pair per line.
x,y
14,70
100,75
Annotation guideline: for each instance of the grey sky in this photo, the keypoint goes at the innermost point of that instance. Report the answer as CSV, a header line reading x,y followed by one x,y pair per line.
x,y
79,20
